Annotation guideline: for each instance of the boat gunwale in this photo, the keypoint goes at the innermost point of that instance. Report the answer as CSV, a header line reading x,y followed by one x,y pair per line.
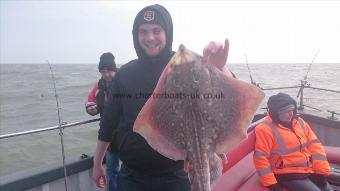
x,y
320,120
29,179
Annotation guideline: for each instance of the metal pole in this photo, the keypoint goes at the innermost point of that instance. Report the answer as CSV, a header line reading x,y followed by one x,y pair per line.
x,y
335,91
301,106
280,88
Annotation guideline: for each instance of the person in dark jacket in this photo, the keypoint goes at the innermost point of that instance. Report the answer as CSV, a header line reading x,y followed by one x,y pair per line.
x,y
96,100
98,95
142,167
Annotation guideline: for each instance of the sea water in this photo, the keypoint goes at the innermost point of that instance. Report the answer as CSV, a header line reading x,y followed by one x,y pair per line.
x,y
27,101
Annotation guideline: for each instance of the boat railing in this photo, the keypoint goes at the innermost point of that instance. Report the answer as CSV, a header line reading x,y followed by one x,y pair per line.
x,y
63,125
23,180
305,85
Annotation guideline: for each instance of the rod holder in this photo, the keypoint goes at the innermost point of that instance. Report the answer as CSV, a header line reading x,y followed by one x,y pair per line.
x,y
333,113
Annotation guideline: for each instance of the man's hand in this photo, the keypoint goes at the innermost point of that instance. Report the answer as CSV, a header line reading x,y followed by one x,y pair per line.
x,y
91,108
186,166
319,178
98,176
217,54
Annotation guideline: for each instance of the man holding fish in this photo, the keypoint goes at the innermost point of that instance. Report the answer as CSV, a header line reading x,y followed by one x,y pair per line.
x,y
172,130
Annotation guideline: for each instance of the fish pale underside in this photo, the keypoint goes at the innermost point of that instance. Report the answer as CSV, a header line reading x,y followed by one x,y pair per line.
x,y
196,113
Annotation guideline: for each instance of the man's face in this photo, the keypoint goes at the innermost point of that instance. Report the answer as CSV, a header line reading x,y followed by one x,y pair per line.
x,y
107,74
286,116
152,39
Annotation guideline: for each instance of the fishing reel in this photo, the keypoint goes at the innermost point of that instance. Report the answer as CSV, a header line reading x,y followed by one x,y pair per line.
x,y
333,115
257,84
305,83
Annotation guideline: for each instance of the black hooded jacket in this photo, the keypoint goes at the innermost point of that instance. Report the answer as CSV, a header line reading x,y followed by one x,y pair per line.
x,y
129,92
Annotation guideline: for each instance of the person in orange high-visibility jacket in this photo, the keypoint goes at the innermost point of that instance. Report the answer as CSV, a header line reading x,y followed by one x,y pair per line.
x,y
287,152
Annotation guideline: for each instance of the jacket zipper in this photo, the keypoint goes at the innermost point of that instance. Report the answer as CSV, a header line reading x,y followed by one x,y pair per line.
x,y
299,139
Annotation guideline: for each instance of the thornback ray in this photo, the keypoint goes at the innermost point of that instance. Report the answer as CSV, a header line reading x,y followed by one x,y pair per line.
x,y
196,112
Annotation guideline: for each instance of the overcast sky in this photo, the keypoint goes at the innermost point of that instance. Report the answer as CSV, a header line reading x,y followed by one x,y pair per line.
x,y
80,31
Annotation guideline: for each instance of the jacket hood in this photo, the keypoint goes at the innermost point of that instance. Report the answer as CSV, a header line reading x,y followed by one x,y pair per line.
x,y
277,102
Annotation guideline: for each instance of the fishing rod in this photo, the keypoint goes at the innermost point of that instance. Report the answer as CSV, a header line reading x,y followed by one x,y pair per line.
x,y
310,65
251,77
304,82
59,126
